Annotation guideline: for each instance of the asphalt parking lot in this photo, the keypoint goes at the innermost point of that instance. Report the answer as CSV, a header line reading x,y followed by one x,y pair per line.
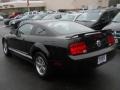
x,y
18,74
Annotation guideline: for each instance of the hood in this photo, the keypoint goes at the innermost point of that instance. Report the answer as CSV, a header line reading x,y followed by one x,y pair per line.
x,y
17,20
113,26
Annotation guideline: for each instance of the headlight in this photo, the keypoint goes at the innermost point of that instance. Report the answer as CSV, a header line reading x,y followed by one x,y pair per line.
x,y
13,22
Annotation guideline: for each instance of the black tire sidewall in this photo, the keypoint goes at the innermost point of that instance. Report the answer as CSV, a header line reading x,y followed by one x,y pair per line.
x,y
8,52
48,69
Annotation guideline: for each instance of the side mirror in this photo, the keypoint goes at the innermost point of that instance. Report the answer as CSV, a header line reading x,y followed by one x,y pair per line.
x,y
13,31
18,33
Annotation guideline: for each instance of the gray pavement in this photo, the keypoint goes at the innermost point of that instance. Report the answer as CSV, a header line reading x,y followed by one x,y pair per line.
x,y
18,74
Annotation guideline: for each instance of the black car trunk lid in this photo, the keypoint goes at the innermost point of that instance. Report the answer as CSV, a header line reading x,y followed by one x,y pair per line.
x,y
95,41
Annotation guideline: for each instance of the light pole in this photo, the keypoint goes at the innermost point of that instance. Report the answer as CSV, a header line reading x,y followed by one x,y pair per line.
x,y
28,8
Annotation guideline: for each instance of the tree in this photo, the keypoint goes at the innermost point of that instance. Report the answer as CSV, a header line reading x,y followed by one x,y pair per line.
x,y
114,2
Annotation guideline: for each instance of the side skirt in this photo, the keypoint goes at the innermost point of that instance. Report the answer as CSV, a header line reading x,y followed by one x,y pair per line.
x,y
20,53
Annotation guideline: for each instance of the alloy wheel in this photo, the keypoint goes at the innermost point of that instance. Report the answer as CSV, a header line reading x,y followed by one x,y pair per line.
x,y
41,66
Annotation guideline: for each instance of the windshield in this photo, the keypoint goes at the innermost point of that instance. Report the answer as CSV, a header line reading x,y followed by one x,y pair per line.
x,y
117,18
68,17
39,17
52,17
27,16
65,28
89,16
49,17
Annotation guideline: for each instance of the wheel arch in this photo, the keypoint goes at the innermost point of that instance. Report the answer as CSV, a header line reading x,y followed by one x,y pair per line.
x,y
39,48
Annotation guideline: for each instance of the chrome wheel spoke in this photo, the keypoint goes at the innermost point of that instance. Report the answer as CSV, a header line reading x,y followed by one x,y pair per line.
x,y
40,65
42,69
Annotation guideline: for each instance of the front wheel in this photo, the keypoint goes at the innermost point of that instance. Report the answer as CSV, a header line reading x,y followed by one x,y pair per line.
x,y
5,49
41,65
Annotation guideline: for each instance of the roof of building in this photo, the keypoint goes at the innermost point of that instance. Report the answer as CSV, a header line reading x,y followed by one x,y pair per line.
x,y
19,4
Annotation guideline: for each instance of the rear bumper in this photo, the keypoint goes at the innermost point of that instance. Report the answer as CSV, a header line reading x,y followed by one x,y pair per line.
x,y
88,60
91,62
85,64
93,54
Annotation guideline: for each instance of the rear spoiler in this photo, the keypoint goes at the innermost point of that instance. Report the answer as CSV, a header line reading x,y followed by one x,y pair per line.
x,y
89,33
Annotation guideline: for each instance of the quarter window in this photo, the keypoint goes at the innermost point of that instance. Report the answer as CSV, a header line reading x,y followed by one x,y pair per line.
x,y
39,31
26,29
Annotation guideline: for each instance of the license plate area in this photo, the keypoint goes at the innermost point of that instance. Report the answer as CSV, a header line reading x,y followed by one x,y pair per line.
x,y
102,59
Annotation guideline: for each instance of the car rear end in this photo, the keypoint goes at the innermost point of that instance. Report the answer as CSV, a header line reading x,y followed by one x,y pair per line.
x,y
77,45
88,50
91,49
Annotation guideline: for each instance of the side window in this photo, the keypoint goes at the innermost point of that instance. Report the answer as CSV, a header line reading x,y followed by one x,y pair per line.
x,y
40,31
25,29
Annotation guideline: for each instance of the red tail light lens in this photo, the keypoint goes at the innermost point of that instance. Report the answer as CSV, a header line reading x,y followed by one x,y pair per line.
x,y
78,48
111,40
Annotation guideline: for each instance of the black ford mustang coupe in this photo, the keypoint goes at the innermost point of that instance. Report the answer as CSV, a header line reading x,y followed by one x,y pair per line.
x,y
59,43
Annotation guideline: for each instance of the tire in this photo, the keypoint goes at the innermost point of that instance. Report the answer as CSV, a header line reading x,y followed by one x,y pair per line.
x,y
5,49
41,65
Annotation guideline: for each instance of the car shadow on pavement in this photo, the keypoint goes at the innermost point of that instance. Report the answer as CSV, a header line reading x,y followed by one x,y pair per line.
x,y
61,80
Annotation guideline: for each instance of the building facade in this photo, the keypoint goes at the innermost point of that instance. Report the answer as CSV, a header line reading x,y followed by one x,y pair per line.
x,y
2,1
55,4
114,2
21,6
76,4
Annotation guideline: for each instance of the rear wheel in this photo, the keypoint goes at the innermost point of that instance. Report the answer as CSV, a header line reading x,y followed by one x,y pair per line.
x,y
5,49
41,65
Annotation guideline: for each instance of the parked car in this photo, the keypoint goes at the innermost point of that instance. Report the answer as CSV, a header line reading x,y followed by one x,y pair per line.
x,y
54,16
97,19
115,27
36,17
7,21
3,14
63,44
39,16
31,12
70,17
1,18
14,14
15,23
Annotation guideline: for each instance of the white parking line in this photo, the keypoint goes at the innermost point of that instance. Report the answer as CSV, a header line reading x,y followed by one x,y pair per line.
x,y
2,26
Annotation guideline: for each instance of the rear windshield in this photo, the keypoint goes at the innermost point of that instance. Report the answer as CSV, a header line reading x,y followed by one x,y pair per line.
x,y
89,16
27,16
68,17
39,16
117,18
49,17
64,28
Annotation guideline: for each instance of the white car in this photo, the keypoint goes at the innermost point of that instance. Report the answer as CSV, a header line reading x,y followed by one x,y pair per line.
x,y
1,18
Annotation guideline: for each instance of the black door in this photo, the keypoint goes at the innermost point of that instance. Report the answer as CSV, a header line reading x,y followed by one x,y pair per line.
x,y
18,41
36,36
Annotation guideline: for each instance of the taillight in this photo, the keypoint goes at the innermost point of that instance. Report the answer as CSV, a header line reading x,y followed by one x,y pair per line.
x,y
111,40
78,48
